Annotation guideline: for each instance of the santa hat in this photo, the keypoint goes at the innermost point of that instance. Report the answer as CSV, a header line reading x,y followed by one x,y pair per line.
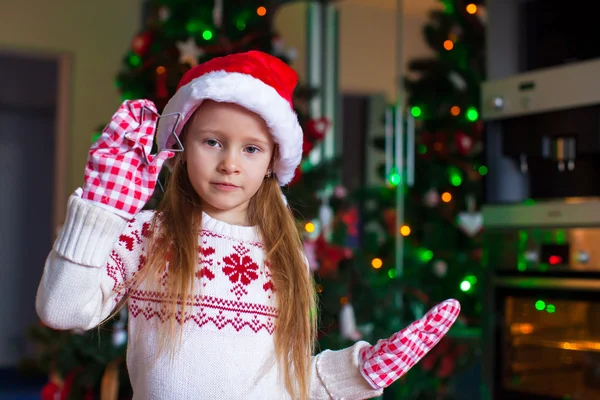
x,y
254,80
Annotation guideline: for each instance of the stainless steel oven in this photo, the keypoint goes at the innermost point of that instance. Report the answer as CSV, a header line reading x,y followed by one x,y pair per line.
x,y
542,329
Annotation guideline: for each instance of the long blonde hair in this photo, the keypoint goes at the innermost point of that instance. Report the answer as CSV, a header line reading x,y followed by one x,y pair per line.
x,y
176,226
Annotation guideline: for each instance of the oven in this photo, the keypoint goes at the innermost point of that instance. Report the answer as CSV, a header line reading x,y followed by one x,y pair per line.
x,y
542,329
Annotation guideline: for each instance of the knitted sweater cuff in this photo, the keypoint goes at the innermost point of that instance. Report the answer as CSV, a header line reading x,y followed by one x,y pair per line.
x,y
339,372
89,233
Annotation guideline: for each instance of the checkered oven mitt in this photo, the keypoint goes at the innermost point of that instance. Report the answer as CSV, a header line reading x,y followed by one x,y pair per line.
x,y
121,173
389,359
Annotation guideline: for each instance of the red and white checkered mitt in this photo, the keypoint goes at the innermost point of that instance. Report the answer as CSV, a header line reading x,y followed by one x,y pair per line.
x,y
121,173
389,359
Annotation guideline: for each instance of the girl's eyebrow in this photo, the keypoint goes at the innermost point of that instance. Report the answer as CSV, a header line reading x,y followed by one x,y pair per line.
x,y
254,139
249,138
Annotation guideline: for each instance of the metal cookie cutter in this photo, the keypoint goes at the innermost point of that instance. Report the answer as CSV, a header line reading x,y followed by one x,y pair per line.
x,y
178,145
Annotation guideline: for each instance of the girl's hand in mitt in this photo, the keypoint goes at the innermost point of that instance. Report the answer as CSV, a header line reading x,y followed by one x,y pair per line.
x,y
120,173
389,359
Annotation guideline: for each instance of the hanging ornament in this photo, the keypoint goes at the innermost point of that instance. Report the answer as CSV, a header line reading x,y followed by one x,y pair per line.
x,y
348,327
470,221
464,143
457,80
316,128
141,43
217,13
326,217
440,268
350,219
189,52
330,256
340,192
311,254
164,13
51,391
431,198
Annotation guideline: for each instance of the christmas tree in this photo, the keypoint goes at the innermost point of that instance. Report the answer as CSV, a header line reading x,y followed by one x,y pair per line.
x,y
176,35
363,292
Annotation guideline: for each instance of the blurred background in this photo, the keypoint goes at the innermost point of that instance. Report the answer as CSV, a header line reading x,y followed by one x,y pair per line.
x,y
450,150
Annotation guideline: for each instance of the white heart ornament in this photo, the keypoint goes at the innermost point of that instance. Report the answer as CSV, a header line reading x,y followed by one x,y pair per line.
x,y
470,222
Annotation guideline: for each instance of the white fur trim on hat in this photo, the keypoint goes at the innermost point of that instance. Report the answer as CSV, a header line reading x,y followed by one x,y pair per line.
x,y
250,93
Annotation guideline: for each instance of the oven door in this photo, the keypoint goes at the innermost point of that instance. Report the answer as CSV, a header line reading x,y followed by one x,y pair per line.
x,y
547,338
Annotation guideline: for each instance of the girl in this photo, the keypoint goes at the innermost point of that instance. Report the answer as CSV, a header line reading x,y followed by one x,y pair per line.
x,y
220,300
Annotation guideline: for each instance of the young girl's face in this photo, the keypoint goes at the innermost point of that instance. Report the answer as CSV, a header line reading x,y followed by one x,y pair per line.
x,y
228,151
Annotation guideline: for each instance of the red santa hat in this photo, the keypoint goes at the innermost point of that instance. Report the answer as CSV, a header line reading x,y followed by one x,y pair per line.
x,y
254,80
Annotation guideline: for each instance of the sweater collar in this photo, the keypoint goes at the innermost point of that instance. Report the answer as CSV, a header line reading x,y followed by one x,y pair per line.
x,y
239,232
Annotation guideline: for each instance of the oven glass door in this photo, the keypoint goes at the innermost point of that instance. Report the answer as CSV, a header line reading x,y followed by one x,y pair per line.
x,y
548,340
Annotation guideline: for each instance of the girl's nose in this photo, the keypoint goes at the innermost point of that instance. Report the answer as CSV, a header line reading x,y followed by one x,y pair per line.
x,y
230,162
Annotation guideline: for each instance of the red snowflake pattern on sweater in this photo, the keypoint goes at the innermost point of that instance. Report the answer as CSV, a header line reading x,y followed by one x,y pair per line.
x,y
233,285
241,270
268,275
134,236
115,269
206,263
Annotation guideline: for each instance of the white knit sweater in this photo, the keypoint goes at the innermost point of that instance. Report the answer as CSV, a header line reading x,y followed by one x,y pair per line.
x,y
227,350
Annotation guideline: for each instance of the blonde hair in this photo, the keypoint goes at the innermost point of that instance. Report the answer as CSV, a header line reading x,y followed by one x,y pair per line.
x,y
176,226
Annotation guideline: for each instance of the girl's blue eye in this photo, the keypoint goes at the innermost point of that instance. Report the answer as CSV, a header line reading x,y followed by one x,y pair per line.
x,y
211,142
252,149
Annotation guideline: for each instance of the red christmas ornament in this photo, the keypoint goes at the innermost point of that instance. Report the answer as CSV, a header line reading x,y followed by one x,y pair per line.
x,y
141,43
464,143
70,378
350,219
51,391
329,256
316,128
